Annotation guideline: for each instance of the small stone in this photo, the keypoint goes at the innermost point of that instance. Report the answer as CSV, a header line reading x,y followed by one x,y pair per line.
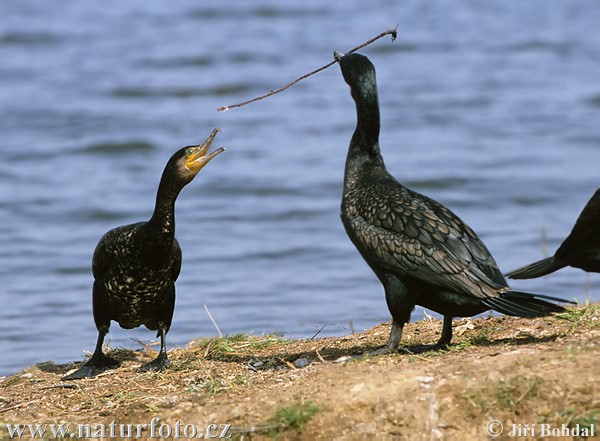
x,y
358,388
366,428
424,379
301,362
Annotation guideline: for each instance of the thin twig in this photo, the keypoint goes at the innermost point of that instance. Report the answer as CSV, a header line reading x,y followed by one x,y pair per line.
x,y
320,329
213,320
290,365
412,354
62,386
208,348
320,357
392,32
15,406
586,287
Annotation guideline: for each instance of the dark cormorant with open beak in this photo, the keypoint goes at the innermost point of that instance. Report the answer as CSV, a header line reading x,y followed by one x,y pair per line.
x,y
135,266
581,249
422,253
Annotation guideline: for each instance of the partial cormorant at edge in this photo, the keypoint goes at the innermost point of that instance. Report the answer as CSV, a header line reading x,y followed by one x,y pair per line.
x,y
422,253
135,266
581,249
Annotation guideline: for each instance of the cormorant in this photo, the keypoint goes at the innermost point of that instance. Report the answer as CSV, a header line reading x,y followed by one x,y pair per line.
x,y
422,253
135,266
581,249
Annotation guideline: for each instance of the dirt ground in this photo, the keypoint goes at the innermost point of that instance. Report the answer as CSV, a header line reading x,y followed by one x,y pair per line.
x,y
509,371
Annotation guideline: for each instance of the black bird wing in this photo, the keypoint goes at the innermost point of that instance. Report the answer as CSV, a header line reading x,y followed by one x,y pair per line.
x,y
111,245
586,231
412,235
176,267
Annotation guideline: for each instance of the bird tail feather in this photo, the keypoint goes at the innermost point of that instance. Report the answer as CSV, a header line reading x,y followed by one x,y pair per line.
x,y
524,304
537,269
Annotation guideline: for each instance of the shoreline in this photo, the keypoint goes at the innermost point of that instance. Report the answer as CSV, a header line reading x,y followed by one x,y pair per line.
x,y
512,370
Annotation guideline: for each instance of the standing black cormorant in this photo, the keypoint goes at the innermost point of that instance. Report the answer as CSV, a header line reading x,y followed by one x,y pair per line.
x,y
422,253
135,266
581,249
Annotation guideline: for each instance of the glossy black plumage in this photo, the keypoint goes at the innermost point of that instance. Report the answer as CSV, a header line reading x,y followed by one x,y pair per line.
x,y
422,253
135,266
581,249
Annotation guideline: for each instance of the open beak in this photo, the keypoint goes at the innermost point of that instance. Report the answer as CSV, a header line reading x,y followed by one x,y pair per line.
x,y
338,55
198,157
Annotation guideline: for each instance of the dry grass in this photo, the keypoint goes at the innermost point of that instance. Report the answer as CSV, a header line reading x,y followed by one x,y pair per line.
x,y
515,370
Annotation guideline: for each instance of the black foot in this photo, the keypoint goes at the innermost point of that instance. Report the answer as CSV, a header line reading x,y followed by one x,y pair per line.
x,y
103,362
93,367
390,350
382,351
427,348
160,363
391,347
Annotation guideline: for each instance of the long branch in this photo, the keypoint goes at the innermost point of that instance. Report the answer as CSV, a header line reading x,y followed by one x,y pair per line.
x,y
392,32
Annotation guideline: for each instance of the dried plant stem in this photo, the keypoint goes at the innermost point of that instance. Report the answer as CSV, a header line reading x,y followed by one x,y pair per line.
x,y
213,320
392,32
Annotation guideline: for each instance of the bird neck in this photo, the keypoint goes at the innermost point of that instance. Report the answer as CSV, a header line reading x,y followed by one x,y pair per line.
x,y
162,221
364,151
366,134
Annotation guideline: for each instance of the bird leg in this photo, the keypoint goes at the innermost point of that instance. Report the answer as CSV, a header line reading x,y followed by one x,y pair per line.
x,y
443,343
161,362
392,344
98,362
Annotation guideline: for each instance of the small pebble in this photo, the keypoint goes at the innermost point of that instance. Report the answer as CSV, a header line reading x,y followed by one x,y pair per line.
x,y
342,359
301,362
424,379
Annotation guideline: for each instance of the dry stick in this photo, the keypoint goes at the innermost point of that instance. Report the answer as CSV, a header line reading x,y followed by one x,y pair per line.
x,y
15,406
61,386
213,320
320,356
320,329
392,32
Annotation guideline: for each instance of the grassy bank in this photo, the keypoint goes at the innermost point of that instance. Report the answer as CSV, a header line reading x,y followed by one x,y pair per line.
x,y
515,371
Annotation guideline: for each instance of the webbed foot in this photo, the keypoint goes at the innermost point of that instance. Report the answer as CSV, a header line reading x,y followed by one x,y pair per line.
x,y
427,348
159,364
94,366
387,349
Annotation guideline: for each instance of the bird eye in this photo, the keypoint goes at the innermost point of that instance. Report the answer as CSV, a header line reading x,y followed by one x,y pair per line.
x,y
189,151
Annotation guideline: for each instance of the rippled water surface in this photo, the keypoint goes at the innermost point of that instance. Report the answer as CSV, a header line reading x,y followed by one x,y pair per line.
x,y
492,108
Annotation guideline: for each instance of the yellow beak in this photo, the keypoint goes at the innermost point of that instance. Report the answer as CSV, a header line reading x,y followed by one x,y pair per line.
x,y
197,156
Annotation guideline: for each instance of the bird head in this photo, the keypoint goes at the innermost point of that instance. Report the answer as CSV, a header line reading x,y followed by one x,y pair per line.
x,y
189,160
358,72
196,157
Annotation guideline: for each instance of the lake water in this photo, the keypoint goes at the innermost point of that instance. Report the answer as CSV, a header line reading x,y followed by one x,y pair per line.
x,y
492,108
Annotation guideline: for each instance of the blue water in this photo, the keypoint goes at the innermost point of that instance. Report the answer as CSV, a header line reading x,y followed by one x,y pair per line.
x,y
492,108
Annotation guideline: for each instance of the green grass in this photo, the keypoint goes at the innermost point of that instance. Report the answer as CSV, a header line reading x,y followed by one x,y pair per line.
x,y
289,418
572,418
293,417
482,337
515,390
239,343
578,313
586,315
507,394
186,363
587,420
222,348
211,387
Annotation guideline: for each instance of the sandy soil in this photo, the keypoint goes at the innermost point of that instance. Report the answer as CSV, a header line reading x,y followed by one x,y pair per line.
x,y
514,371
